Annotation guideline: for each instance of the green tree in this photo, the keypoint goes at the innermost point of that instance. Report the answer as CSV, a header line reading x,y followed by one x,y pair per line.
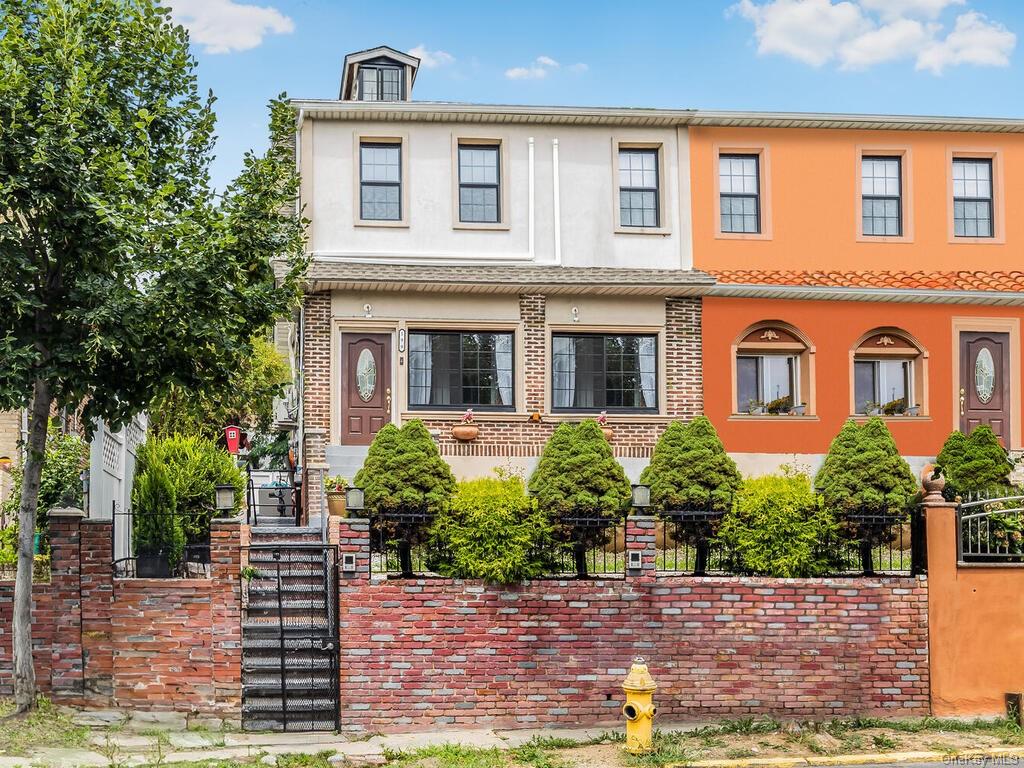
x,y
867,474
122,273
404,471
841,452
247,400
976,463
690,469
581,474
156,528
491,530
779,527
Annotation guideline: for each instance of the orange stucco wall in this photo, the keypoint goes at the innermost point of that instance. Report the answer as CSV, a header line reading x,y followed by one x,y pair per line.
x,y
811,194
833,328
975,627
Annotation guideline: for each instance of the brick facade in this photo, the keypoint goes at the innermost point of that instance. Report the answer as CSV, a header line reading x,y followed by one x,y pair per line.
x,y
171,644
514,435
439,652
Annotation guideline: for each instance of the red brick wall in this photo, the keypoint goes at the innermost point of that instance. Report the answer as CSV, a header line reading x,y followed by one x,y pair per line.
x,y
440,652
142,643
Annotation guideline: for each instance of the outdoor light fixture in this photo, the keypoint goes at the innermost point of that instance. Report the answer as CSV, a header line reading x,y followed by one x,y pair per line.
x,y
641,496
354,499
225,498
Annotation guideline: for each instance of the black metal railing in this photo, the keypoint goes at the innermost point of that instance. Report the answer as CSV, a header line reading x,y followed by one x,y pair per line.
x,y
990,531
274,498
172,545
686,541
400,544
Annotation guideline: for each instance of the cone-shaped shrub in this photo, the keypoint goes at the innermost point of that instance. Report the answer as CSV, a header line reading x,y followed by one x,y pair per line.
x,y
840,452
580,474
404,471
977,463
870,475
690,469
779,527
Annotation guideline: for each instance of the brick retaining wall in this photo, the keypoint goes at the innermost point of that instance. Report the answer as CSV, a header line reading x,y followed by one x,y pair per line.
x,y
428,653
168,644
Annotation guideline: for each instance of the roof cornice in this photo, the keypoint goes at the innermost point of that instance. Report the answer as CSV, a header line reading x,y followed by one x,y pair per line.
x,y
897,295
430,111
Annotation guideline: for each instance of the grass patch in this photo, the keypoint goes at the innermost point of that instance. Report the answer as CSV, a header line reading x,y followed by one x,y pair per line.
x,y
45,726
448,756
669,747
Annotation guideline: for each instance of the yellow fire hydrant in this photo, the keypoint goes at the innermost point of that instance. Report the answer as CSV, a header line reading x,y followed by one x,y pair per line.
x,y
639,708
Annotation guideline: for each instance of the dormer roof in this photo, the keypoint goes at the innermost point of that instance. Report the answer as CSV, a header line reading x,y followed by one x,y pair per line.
x,y
352,60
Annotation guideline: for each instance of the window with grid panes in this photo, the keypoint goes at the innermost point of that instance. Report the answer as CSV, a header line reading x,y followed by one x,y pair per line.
x,y
881,196
596,372
739,188
380,83
380,181
479,183
455,369
972,197
638,188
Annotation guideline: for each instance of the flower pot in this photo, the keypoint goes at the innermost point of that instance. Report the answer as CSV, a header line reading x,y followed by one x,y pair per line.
x,y
798,410
608,433
153,566
465,432
336,503
914,410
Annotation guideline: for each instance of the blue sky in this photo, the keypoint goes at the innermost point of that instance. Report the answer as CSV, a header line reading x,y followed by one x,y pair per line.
x,y
949,57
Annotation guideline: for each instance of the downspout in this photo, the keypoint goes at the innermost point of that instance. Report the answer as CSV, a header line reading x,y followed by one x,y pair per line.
x,y
531,213
556,203
300,371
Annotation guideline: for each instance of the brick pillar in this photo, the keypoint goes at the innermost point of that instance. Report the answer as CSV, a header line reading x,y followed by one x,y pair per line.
x,y
63,610
533,313
353,537
226,542
641,534
316,392
683,372
97,602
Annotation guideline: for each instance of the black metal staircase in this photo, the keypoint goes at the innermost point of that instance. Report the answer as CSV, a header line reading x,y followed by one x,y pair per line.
x,y
290,632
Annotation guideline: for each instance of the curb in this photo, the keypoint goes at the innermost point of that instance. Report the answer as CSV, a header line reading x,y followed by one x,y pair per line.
x,y
857,759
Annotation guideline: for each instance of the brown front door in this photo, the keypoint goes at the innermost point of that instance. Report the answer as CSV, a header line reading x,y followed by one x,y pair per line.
x,y
365,387
985,382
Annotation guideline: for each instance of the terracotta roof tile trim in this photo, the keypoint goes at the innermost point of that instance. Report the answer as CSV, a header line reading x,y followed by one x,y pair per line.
x,y
1009,282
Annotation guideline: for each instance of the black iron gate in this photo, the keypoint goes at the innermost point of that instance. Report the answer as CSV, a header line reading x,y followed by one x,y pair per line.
x,y
290,638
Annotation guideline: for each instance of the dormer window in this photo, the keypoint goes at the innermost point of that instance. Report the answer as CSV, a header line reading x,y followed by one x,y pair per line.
x,y
380,82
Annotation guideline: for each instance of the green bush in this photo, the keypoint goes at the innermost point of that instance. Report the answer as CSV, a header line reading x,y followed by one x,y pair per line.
x,y
690,469
865,472
9,545
577,472
491,530
779,527
156,529
975,463
404,471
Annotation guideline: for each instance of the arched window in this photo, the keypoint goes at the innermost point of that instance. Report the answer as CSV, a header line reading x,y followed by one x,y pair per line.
x,y
772,371
888,374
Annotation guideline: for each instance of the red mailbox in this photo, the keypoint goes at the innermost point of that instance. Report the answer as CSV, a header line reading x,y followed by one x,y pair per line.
x,y
233,438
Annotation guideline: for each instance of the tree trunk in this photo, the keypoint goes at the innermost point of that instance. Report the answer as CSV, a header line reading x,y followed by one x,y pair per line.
x,y
24,671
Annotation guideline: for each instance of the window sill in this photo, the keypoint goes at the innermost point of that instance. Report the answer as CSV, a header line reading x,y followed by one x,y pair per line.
x,y
884,238
482,226
859,417
956,240
743,236
455,415
402,224
772,417
664,231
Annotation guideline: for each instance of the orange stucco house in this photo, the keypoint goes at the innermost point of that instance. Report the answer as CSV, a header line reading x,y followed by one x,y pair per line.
x,y
864,265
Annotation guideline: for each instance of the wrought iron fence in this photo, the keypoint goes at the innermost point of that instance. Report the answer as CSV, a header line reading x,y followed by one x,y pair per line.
x,y
991,531
161,546
584,544
870,543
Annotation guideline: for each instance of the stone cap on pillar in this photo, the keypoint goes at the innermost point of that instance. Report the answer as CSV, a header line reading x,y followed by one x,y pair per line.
x,y
67,512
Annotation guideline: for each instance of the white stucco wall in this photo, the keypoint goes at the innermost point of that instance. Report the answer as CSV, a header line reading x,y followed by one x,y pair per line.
x,y
589,210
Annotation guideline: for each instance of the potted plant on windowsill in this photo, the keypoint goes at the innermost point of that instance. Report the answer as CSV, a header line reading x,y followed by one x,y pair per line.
x,y
467,429
897,407
872,408
755,407
780,405
798,410
602,422
914,410
335,487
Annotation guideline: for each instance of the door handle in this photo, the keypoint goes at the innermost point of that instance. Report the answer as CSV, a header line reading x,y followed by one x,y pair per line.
x,y
962,399
387,399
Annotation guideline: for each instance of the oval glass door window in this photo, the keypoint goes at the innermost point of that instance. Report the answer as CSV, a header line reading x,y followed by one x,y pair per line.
x,y
984,375
366,375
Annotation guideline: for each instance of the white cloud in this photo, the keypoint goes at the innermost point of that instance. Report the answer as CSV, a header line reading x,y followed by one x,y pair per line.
x,y
857,34
223,26
974,40
431,59
541,67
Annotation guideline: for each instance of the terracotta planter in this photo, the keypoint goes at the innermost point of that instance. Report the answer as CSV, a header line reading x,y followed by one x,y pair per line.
x,y
465,432
608,433
336,504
